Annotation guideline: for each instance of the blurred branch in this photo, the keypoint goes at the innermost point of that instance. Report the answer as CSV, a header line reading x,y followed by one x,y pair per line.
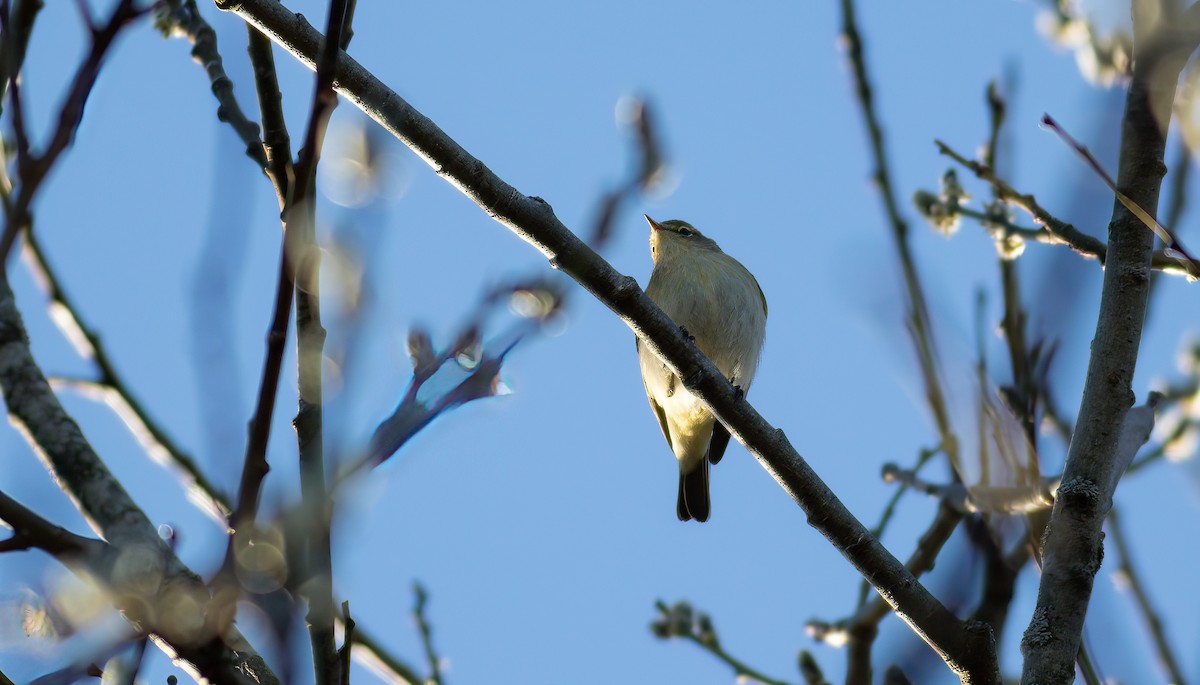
x,y
1024,395
1133,580
680,621
919,324
536,300
1000,573
114,391
79,471
279,169
895,676
33,168
989,499
301,242
965,650
182,18
1074,540
150,595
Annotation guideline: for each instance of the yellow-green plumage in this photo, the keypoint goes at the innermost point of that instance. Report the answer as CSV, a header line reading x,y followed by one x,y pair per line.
x,y
721,305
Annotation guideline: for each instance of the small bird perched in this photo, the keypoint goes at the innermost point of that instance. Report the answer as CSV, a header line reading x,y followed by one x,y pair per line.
x,y
720,306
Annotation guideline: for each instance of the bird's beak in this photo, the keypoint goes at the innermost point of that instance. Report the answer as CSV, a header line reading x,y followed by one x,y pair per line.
x,y
653,224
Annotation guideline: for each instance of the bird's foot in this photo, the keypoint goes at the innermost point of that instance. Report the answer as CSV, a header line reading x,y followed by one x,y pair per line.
x,y
690,338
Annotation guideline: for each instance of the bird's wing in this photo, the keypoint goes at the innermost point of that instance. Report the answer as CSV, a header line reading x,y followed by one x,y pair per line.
x,y
659,412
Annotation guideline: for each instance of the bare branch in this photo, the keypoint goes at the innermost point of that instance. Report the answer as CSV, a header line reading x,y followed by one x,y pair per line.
x,y
1074,541
681,621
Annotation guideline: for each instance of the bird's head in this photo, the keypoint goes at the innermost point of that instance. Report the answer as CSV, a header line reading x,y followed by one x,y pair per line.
x,y
673,237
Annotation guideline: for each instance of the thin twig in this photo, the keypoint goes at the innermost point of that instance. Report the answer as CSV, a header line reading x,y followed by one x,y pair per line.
x,y
1057,231
1163,233
1013,324
426,632
680,621
33,168
369,653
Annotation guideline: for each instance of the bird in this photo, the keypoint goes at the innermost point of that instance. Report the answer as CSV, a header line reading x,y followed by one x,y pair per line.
x,y
719,306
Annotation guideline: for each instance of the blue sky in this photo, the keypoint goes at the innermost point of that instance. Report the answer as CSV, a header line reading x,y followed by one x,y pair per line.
x,y
542,522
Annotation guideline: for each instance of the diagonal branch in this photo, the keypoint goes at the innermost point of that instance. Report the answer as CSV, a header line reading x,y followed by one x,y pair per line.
x,y
966,650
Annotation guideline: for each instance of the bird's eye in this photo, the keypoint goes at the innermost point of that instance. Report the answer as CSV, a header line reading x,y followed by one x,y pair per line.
x,y
684,232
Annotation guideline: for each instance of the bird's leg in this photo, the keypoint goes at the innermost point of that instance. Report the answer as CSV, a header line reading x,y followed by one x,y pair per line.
x,y
690,338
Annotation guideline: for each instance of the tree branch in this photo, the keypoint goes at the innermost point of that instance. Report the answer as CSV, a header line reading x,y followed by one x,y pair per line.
x,y
967,651
1055,230
1074,546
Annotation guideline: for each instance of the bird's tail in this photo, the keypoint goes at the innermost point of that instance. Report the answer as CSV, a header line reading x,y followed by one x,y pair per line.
x,y
693,493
